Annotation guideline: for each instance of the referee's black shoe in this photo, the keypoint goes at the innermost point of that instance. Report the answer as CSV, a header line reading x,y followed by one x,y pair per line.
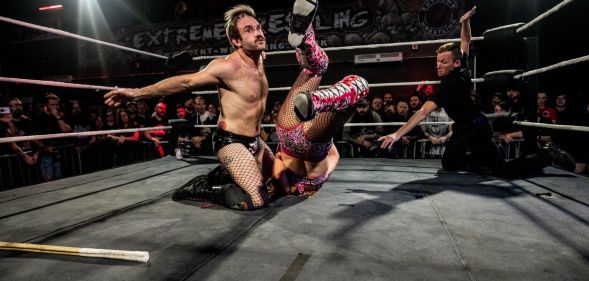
x,y
559,157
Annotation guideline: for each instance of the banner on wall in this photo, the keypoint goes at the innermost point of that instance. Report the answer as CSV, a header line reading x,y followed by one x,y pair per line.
x,y
373,23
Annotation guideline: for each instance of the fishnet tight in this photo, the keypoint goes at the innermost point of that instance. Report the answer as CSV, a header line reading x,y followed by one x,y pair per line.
x,y
248,171
319,129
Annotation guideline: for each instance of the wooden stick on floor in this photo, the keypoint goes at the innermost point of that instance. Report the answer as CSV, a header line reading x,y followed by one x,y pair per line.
x,y
139,256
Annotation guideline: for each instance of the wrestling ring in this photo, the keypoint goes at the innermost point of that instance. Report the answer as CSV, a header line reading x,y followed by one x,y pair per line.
x,y
375,219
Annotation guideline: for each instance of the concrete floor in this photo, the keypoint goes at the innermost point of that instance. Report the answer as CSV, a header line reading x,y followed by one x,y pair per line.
x,y
376,219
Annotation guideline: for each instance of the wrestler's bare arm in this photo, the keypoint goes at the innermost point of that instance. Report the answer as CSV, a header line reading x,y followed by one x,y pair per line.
x,y
279,168
465,34
332,159
213,74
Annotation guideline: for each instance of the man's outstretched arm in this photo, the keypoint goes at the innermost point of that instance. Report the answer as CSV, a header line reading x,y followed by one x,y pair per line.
x,y
465,34
211,75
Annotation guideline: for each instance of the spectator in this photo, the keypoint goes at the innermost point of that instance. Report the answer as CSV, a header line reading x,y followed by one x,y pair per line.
x,y
142,117
203,117
8,129
363,138
202,141
76,118
180,133
269,133
110,121
125,143
98,125
571,141
158,119
99,152
376,105
503,127
92,115
387,98
190,112
51,122
276,108
213,110
496,98
388,116
132,112
181,111
23,123
415,103
546,114
402,115
514,99
437,135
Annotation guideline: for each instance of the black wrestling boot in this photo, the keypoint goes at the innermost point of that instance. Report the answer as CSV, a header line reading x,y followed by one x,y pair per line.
x,y
189,189
559,157
199,189
303,13
303,108
216,177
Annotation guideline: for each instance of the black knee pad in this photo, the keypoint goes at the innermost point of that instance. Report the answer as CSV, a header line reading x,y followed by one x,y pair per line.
x,y
235,196
219,176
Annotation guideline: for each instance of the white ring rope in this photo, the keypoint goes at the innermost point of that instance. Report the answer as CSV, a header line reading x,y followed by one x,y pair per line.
x,y
68,34
551,67
375,85
80,134
552,126
55,84
133,130
543,15
372,46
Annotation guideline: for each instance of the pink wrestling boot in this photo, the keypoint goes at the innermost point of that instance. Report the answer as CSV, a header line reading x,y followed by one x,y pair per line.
x,y
302,37
311,56
341,96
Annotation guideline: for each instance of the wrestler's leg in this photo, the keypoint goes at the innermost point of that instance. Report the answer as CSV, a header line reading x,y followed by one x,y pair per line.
x,y
314,62
326,125
265,159
245,172
303,83
311,56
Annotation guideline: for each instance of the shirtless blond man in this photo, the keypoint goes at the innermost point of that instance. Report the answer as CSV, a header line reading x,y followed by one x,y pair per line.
x,y
243,88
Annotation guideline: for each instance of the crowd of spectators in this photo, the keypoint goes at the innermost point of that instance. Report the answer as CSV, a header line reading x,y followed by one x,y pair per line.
x,y
53,115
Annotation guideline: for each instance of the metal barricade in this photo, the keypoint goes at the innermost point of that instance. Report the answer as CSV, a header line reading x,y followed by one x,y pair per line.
x,y
71,160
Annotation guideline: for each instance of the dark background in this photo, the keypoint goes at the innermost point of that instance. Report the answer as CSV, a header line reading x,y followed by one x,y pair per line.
x,y
557,38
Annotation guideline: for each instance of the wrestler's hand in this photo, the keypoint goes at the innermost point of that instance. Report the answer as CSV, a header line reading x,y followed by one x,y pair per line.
x,y
388,140
118,96
468,15
29,160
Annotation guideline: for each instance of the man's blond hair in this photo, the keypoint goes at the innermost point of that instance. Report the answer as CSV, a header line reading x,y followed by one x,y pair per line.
x,y
451,47
232,16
